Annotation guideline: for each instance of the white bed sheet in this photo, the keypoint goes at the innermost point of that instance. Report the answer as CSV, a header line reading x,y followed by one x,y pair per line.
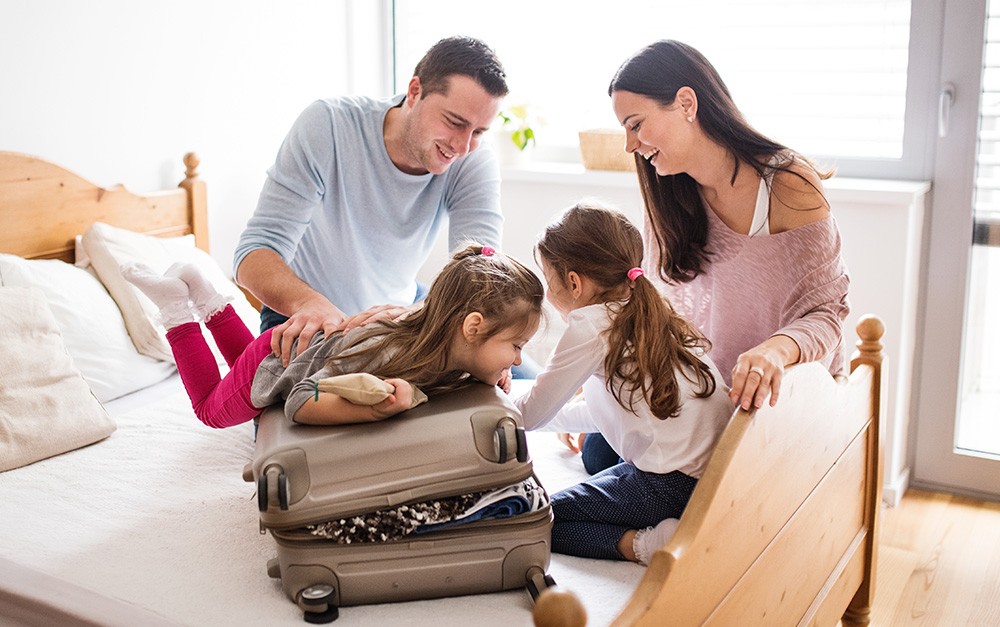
x,y
158,516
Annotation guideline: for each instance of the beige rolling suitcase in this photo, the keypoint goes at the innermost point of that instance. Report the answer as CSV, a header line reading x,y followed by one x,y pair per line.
x,y
437,501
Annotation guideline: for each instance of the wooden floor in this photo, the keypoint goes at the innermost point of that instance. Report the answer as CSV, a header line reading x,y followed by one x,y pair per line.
x,y
939,562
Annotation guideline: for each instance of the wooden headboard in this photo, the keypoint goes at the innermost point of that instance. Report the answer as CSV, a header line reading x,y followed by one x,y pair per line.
x,y
43,207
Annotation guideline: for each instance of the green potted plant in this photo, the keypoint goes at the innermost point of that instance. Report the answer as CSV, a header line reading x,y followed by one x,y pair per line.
x,y
514,134
517,126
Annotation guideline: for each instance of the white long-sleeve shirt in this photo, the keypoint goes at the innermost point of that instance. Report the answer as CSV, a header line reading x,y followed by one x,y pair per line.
x,y
682,443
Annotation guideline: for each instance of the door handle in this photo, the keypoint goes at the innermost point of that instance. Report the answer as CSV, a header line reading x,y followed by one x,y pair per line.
x,y
945,99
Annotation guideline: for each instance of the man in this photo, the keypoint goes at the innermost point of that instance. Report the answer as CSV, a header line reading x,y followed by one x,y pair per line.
x,y
360,188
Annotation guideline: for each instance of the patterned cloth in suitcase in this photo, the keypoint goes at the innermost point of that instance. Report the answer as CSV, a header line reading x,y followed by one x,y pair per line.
x,y
437,501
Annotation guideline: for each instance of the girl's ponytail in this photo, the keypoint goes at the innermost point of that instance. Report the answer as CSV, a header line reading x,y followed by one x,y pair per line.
x,y
648,344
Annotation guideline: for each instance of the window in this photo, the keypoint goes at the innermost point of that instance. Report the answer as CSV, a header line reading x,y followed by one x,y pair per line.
x,y
987,195
827,77
978,429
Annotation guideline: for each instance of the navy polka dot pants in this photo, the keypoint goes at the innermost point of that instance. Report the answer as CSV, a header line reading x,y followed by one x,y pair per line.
x,y
591,517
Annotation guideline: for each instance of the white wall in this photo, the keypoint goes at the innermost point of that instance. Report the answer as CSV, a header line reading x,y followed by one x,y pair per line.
x,y
119,90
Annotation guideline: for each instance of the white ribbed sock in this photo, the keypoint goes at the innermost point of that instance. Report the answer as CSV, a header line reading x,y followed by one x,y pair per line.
x,y
652,539
205,299
169,294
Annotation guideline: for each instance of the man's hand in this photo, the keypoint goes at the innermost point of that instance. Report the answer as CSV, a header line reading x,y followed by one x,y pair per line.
x,y
317,315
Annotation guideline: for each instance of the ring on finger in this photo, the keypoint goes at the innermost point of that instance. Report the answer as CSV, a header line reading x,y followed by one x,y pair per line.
x,y
758,370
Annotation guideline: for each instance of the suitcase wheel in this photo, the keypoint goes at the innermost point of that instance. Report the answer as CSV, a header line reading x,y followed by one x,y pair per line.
x,y
500,441
315,602
522,445
262,486
538,582
322,618
274,568
283,491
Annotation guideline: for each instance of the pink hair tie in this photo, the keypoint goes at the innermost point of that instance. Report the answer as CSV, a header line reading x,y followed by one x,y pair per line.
x,y
635,273
488,251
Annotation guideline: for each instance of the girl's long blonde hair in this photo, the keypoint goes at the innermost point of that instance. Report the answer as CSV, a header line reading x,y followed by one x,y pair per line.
x,y
502,289
648,342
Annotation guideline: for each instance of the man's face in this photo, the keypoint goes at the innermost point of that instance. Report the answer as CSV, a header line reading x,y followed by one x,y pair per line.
x,y
443,127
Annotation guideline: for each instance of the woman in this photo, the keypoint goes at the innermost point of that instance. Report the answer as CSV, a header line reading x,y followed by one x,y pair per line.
x,y
738,232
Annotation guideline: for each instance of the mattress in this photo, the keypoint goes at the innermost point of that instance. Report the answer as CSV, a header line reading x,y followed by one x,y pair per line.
x,y
158,517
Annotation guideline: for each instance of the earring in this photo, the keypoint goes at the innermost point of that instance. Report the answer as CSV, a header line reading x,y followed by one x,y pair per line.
x,y
690,118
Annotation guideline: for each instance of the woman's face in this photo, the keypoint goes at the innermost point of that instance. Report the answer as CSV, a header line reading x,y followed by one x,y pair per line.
x,y
660,133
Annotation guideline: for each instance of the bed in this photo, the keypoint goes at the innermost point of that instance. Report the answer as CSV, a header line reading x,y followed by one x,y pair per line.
x,y
146,519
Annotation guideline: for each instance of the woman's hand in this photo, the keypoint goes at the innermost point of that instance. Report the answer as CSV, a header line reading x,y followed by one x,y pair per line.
x,y
758,371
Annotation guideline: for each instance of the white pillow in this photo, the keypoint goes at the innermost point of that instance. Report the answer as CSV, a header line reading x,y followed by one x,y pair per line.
x,y
46,407
91,325
109,247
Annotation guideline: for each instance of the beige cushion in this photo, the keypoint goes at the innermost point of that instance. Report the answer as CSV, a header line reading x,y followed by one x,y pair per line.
x,y
91,325
108,248
364,389
46,408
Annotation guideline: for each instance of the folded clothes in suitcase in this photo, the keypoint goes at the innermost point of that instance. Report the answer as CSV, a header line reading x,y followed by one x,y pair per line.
x,y
437,501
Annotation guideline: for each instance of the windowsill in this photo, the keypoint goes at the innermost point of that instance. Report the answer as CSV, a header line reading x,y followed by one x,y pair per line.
x,y
566,174
838,189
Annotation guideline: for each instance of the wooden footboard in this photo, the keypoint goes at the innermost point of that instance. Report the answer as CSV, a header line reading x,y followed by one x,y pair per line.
x,y
781,529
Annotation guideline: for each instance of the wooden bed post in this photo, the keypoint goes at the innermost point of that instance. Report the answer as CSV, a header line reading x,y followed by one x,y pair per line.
x,y
197,200
870,331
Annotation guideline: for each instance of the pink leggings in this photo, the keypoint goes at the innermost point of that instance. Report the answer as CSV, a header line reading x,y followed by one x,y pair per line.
x,y
219,401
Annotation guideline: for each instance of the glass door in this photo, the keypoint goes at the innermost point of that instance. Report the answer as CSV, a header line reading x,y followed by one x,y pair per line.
x,y
978,431
957,439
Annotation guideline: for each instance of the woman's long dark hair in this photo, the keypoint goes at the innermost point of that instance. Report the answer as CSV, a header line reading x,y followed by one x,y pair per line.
x,y
648,342
674,207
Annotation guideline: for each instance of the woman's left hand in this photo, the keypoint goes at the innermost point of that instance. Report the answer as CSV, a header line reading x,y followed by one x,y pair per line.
x,y
758,371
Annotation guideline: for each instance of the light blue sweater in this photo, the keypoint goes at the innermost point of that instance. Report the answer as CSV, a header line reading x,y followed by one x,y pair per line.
x,y
351,224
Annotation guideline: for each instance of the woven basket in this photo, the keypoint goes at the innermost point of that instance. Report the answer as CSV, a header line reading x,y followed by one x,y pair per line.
x,y
604,149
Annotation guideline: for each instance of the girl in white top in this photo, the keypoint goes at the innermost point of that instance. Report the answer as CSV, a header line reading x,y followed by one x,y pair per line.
x,y
648,387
